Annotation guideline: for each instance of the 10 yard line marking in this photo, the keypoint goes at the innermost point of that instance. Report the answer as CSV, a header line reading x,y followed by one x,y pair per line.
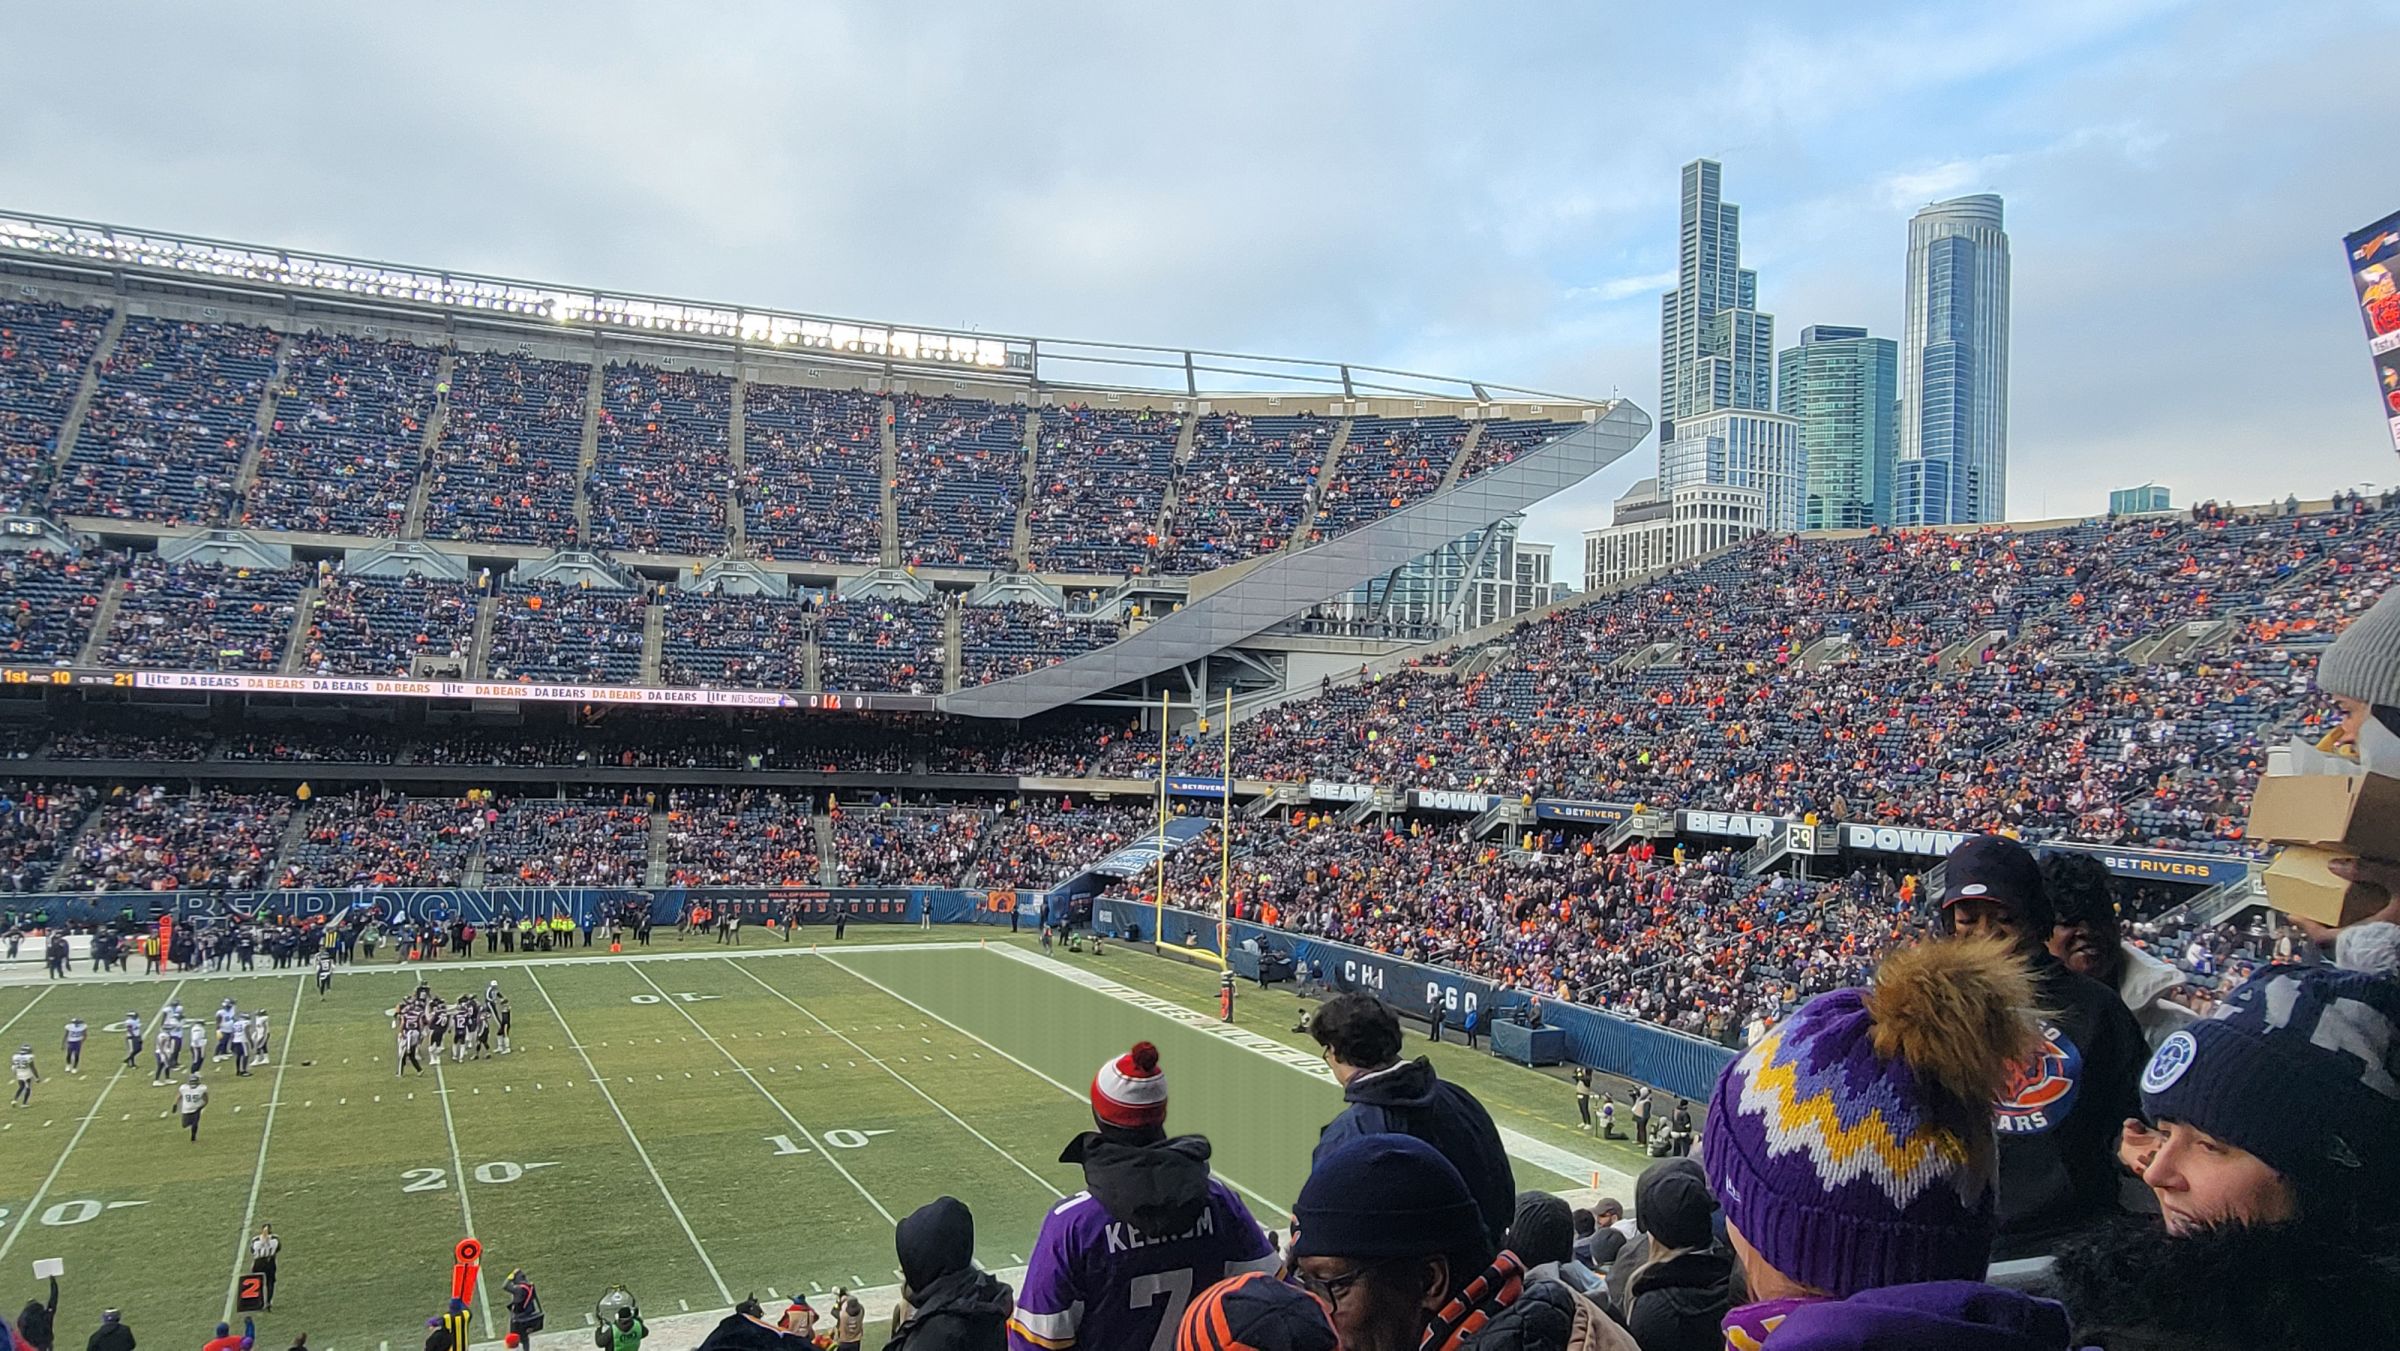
x,y
9,1239
466,1213
772,1100
634,1140
1252,1192
241,1246
905,1082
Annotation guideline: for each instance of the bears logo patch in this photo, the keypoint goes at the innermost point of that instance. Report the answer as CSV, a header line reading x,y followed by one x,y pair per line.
x,y
2042,1090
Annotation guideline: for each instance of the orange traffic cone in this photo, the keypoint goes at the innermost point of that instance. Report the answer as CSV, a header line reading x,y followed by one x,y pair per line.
x,y
616,947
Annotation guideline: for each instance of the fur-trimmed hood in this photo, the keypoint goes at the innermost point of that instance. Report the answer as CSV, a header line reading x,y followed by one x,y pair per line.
x,y
2130,1287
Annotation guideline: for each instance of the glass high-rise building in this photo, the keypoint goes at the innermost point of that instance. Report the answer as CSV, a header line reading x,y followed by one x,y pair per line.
x,y
1715,350
1841,386
1954,366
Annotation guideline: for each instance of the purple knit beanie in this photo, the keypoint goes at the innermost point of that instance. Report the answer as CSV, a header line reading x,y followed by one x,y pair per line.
x,y
1853,1145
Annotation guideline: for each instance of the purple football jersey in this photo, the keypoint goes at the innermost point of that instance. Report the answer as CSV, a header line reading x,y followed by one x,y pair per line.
x,y
1095,1283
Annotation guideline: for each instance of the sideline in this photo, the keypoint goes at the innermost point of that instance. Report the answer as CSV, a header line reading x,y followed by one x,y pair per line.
x,y
13,976
690,1329
1566,1163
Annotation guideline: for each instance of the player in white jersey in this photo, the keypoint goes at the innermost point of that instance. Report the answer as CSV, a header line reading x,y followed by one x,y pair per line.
x,y
195,1038
324,972
237,1040
133,1037
166,1052
227,1016
76,1032
21,1068
190,1098
499,1006
258,1036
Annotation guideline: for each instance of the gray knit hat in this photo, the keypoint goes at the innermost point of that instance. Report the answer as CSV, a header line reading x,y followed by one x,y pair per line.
x,y
2364,663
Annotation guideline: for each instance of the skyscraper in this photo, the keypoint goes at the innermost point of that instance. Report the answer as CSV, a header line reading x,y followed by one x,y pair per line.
x,y
1716,356
1713,345
1841,386
1954,366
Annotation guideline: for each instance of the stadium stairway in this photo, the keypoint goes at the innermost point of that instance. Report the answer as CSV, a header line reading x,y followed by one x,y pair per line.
x,y
262,423
829,872
589,458
1020,543
654,874
103,617
477,865
414,526
737,458
953,660
1281,585
479,647
295,835
90,386
1165,525
890,475
1316,490
295,638
654,643
1464,457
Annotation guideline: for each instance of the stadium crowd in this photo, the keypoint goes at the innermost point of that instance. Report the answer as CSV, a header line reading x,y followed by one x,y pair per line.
x,y
347,443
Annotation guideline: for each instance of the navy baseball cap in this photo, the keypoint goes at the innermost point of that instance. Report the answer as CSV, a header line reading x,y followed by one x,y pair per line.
x,y
1994,868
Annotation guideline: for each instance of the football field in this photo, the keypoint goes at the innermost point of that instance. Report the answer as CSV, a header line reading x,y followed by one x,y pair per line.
x,y
699,1124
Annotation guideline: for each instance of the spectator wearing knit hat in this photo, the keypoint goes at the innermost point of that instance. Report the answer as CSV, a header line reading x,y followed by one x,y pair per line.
x,y
2272,1143
1682,1282
2361,670
1389,1237
1254,1312
2059,1113
1151,1216
1385,1095
1853,1148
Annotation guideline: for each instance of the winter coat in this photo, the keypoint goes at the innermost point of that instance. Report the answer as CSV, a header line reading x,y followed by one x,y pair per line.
x,y
1409,1099
1948,1315
963,1311
1679,1304
1549,1317
2143,989
2133,1287
110,1337
524,1307
2060,1123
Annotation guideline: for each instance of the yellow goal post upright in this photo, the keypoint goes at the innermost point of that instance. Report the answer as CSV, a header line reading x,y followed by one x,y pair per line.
x,y
1198,956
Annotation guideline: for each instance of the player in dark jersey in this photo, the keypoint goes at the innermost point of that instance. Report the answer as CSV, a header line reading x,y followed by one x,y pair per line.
x,y
499,1006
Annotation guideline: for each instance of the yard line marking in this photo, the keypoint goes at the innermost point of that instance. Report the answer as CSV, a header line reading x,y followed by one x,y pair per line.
x,y
1078,1094
636,1142
466,1213
33,1207
241,1242
772,1100
12,1022
911,1086
427,969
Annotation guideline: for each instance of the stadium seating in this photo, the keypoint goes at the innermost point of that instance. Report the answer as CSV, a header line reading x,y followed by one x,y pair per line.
x,y
165,434
48,602
999,641
741,837
44,349
367,839
203,616
157,838
36,822
1388,463
347,445
546,631
510,451
1243,490
812,474
664,462
365,625
960,476
555,842
882,645
1503,441
1101,478
753,641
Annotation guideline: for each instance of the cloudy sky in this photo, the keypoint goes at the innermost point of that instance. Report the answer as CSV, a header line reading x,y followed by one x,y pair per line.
x,y
1478,190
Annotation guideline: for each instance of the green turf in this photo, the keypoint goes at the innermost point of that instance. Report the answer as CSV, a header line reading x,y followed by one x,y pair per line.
x,y
783,1115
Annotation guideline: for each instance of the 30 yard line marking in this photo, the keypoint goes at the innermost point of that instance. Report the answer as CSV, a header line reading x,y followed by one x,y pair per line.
x,y
631,1138
33,1207
1080,1096
905,1082
772,1100
241,1240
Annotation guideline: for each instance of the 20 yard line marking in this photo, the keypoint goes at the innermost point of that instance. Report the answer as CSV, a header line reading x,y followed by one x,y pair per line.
x,y
1253,1193
635,1140
458,1169
772,1100
241,1245
9,1239
905,1082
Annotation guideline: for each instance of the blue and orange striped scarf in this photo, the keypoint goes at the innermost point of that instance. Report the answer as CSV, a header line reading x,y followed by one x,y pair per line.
x,y
1476,1304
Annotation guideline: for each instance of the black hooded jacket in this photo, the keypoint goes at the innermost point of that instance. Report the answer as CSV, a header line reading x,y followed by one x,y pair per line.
x,y
2060,1125
1158,1188
1411,1100
1680,1304
2131,1287
954,1305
